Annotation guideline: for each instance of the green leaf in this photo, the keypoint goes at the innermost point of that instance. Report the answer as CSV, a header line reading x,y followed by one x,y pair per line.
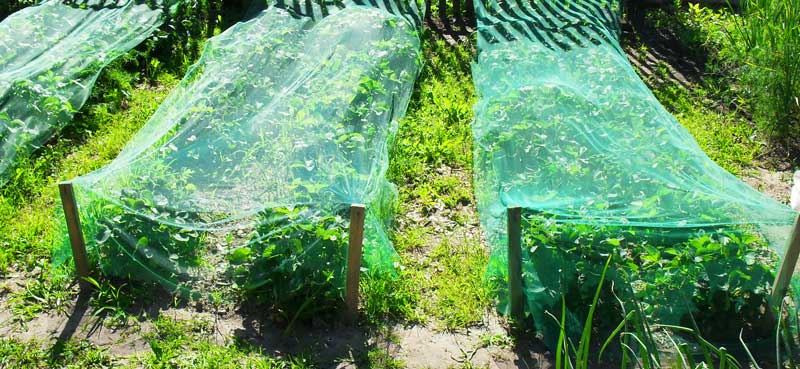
x,y
240,255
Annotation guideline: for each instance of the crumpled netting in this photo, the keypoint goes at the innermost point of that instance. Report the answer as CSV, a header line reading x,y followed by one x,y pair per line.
x,y
565,129
50,57
244,176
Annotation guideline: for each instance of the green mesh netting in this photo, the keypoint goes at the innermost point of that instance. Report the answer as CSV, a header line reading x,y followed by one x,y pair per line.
x,y
50,56
245,174
565,129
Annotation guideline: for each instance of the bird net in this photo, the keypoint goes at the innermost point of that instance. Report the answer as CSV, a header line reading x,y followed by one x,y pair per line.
x,y
565,129
243,178
50,57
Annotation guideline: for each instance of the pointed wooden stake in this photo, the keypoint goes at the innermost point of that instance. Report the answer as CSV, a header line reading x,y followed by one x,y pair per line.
x,y
784,275
357,213
74,228
516,297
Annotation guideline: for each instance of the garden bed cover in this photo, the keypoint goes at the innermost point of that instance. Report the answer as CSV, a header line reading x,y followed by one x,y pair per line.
x,y
243,178
50,57
566,130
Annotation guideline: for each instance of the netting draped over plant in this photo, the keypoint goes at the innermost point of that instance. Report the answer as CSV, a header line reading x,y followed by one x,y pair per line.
x,y
565,129
50,56
245,174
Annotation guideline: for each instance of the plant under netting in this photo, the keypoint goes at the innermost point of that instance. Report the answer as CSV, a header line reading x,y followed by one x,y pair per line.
x,y
243,178
50,57
566,130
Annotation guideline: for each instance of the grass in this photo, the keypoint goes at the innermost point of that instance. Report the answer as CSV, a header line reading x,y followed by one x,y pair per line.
x,y
436,130
449,279
29,204
752,63
432,160
63,354
711,108
173,344
186,344
766,44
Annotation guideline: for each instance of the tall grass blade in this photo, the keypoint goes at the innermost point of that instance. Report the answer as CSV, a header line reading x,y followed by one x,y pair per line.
x,y
582,359
614,334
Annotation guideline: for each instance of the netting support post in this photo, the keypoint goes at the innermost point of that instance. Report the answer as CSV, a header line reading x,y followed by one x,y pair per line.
x,y
357,212
784,275
515,295
74,229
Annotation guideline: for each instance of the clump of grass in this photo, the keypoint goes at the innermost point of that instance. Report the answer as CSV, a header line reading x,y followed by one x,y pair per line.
x,y
454,288
767,44
187,344
61,354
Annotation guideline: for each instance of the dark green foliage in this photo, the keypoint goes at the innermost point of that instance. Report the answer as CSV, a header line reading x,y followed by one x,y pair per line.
x,y
9,6
179,42
131,245
295,262
675,276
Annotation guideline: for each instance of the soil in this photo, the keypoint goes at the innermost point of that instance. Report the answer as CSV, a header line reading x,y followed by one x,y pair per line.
x,y
776,184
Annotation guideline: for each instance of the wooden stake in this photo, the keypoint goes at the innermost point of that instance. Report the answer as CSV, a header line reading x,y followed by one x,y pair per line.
x,y
357,212
74,229
784,275
516,297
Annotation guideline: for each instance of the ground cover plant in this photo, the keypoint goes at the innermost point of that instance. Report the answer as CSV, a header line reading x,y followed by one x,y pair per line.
x,y
238,178
603,169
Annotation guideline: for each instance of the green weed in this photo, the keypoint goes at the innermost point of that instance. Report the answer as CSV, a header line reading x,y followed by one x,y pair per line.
x,y
379,358
110,301
432,158
436,130
386,298
61,354
42,292
186,344
453,285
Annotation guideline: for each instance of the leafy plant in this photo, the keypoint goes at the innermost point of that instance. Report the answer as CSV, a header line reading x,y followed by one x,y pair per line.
x,y
128,244
295,262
